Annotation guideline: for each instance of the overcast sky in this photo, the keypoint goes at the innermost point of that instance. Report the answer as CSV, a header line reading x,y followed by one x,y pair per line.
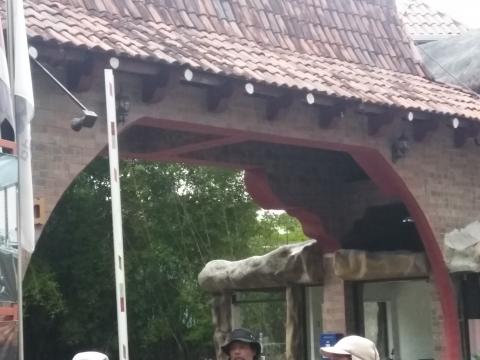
x,y
466,11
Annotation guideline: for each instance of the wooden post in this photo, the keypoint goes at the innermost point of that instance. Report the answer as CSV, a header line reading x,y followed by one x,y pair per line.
x,y
294,329
222,321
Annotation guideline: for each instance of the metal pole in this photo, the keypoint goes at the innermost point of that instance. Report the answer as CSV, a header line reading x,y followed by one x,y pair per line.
x,y
58,83
11,61
116,216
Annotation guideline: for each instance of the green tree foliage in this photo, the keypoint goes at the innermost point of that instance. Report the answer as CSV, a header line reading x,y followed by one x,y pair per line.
x,y
176,219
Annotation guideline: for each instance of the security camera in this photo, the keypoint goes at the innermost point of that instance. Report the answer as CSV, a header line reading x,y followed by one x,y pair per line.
x,y
87,120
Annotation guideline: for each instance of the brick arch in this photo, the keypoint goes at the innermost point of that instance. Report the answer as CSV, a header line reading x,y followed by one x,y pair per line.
x,y
387,178
389,181
258,186
375,165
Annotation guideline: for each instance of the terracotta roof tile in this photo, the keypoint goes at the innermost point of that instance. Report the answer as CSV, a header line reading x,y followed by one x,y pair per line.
x,y
314,68
261,62
298,24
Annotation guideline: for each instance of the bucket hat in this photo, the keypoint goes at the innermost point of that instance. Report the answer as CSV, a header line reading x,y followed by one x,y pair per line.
x,y
241,335
359,348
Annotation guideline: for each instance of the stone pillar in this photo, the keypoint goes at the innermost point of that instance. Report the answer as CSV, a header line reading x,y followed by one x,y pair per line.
x,y
294,329
222,320
333,309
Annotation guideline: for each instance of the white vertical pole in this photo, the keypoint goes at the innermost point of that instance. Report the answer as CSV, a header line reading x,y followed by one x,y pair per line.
x,y
11,63
116,215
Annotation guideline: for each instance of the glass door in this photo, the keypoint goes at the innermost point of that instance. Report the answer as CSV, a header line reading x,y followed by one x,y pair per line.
x,y
397,316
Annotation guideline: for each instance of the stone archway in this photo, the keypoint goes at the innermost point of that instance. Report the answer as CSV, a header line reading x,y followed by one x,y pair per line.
x,y
390,182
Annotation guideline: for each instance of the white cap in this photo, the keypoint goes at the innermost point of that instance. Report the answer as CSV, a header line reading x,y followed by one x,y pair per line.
x,y
90,355
358,347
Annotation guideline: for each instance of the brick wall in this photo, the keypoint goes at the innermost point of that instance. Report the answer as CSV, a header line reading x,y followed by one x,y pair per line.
x,y
333,309
444,181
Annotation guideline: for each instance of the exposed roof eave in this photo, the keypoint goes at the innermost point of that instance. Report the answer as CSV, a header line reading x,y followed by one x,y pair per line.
x,y
240,58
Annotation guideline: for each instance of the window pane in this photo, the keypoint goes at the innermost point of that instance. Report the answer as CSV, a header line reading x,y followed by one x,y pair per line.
x,y
264,313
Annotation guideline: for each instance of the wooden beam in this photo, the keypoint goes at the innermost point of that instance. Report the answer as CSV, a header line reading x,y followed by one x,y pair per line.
x,y
190,148
60,55
155,87
218,97
276,105
277,99
263,91
202,145
219,89
459,137
188,161
329,109
327,116
377,116
139,67
57,55
79,75
413,115
368,109
202,79
320,100
463,131
421,128
375,122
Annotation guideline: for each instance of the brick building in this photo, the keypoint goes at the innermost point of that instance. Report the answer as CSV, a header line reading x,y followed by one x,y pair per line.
x,y
323,103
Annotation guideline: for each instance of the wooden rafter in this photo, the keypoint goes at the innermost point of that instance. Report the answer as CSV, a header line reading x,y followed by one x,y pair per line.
x,y
178,151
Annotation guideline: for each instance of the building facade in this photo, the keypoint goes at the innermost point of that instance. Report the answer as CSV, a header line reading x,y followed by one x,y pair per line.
x,y
323,104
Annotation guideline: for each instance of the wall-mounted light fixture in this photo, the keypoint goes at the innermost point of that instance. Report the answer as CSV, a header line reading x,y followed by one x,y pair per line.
x,y
400,147
456,123
123,107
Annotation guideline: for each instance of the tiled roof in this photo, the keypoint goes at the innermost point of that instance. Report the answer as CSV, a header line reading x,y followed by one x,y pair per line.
x,y
240,57
362,31
424,23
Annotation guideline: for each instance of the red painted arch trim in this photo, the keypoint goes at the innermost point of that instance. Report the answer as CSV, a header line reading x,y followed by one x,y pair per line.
x,y
385,176
258,186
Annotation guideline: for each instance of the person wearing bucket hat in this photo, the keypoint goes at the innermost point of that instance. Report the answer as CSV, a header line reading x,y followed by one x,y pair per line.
x,y
352,348
241,344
